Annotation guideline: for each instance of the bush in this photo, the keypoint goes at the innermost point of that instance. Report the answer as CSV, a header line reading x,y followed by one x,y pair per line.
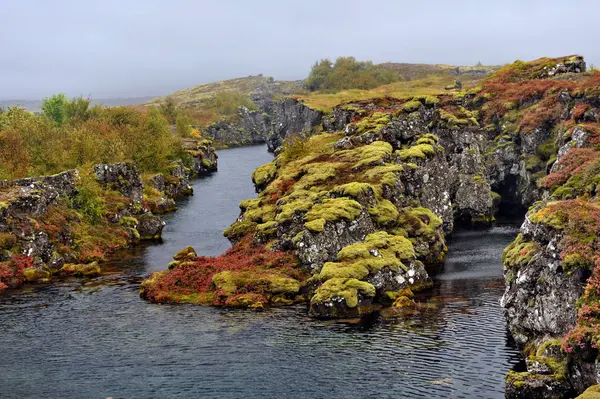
x,y
347,73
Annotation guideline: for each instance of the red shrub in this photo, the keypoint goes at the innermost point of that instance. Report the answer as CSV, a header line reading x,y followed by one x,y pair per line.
x,y
573,163
196,276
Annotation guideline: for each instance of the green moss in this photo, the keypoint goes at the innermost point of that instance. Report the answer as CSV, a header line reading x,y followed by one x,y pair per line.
x,y
7,240
428,139
417,151
345,288
547,217
384,213
369,155
375,122
519,252
299,201
316,173
430,100
129,221
592,392
230,282
268,228
385,174
260,213
316,226
334,209
411,106
354,189
358,260
264,174
239,229
37,274
419,221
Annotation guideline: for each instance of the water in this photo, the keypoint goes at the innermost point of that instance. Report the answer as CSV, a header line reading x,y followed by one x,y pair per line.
x,y
98,339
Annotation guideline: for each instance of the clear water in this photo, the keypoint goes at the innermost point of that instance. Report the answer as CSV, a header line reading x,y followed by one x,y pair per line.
x,y
96,338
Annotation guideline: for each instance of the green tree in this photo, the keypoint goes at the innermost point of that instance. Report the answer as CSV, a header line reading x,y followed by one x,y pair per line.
x,y
78,109
55,108
319,74
169,109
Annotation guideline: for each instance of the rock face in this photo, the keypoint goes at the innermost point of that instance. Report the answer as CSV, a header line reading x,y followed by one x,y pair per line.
x,y
121,177
271,124
366,205
251,127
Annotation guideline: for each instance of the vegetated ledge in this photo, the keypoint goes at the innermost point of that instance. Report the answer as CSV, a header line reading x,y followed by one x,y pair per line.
x,y
68,224
391,172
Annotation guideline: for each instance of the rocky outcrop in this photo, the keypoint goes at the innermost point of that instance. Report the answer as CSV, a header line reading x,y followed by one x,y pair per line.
x,y
365,208
249,128
203,155
291,116
271,124
65,224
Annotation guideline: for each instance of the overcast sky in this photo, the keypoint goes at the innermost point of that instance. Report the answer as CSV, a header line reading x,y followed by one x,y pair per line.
x,y
126,48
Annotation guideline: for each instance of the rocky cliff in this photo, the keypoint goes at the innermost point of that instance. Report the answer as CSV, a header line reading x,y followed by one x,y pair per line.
x,y
67,223
350,220
270,124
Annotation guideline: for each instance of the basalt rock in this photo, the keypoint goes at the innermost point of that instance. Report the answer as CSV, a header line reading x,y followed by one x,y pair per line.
x,y
122,177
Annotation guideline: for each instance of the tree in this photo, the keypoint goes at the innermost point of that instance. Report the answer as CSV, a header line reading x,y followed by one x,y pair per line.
x,y
169,109
319,74
55,108
78,109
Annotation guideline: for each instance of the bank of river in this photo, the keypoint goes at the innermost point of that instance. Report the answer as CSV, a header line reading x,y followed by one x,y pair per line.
x,y
98,339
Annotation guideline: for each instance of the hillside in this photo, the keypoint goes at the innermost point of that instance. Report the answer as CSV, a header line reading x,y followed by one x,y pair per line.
x,y
35,105
422,79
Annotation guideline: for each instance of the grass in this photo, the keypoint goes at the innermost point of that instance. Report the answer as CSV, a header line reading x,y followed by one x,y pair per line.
x,y
427,86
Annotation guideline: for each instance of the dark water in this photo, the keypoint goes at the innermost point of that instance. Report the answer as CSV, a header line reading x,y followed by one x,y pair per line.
x,y
96,338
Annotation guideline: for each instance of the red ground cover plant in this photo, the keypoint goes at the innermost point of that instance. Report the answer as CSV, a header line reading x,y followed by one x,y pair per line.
x,y
573,163
11,272
195,277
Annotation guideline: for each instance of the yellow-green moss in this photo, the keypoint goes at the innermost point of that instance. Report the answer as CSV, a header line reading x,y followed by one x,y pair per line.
x,y
411,106
377,121
384,213
417,151
315,173
264,174
418,221
239,229
7,240
385,174
428,138
316,226
260,213
519,252
273,283
334,209
346,288
592,392
358,260
354,189
373,154
268,228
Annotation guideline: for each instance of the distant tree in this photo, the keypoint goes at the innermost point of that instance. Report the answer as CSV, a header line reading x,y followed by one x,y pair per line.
x,y
458,84
347,73
168,109
78,109
55,108
227,103
183,124
319,74
479,64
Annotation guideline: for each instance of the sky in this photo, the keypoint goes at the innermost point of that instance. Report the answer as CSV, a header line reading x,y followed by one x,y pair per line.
x,y
130,48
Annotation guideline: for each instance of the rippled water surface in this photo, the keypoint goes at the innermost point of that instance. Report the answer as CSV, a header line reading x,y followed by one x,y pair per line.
x,y
98,339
